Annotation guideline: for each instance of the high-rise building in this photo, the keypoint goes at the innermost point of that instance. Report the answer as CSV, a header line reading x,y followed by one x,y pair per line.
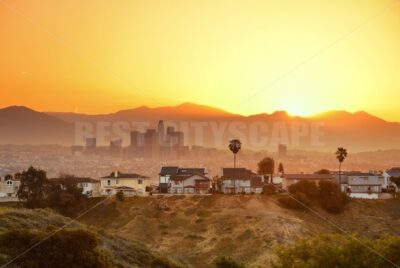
x,y
116,147
282,150
151,147
161,132
137,145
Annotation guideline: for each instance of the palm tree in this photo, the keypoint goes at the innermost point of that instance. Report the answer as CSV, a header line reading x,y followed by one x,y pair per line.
x,y
341,155
235,146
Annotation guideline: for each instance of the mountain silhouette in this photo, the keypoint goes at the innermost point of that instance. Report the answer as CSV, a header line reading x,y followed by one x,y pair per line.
x,y
357,131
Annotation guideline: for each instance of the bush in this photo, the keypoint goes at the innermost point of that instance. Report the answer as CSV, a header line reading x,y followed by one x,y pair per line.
x,y
332,200
225,262
120,196
308,188
269,189
339,251
66,248
295,201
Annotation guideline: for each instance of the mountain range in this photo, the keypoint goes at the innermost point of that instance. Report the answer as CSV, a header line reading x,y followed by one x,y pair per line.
x,y
326,131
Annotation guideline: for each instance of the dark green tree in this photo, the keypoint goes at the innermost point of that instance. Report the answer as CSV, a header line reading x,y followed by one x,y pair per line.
x,y
66,197
33,188
323,171
235,146
281,169
227,262
266,167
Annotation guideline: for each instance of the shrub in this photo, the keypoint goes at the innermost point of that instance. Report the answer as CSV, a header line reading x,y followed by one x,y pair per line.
x,y
66,248
332,200
295,201
225,262
308,188
120,196
269,189
339,251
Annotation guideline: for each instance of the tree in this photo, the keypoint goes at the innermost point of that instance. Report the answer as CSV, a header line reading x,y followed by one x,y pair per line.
x,y
66,248
323,171
266,167
307,187
341,155
281,170
33,188
66,197
235,146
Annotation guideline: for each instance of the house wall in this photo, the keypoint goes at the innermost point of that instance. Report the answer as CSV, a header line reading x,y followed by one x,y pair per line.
x,y
178,187
241,186
90,188
112,183
9,188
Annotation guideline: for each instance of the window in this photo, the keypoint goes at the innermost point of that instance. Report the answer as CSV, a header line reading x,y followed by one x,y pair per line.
x,y
9,183
109,182
140,181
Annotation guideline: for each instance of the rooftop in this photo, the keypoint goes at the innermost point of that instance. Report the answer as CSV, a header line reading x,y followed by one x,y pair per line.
x,y
120,175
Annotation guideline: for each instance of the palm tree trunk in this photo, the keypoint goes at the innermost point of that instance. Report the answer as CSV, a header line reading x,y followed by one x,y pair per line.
x,y
340,176
234,160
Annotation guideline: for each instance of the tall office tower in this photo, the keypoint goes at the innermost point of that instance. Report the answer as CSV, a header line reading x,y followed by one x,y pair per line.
x,y
161,132
137,144
116,147
282,150
151,146
91,145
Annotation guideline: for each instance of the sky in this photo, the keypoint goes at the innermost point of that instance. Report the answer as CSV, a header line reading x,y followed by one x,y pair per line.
x,y
247,57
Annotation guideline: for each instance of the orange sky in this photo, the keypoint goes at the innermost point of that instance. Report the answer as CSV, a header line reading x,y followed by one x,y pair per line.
x,y
98,56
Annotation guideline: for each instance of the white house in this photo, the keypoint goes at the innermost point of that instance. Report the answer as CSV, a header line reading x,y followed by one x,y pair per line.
x,y
240,180
130,184
168,171
388,174
190,184
9,186
363,185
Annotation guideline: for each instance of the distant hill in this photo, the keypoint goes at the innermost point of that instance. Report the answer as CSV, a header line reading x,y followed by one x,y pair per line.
x,y
21,125
213,127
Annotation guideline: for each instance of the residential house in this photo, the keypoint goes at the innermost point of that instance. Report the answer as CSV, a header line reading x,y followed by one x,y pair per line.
x,y
130,184
9,186
363,185
190,184
289,179
240,180
388,174
168,171
89,186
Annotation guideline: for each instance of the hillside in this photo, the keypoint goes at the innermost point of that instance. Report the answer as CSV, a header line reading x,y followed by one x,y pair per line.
x,y
128,253
196,230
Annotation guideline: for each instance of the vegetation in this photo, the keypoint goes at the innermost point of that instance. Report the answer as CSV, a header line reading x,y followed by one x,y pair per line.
x,y
341,155
66,248
235,146
120,196
339,251
323,171
281,169
296,201
227,262
269,189
395,180
266,166
309,188
326,194
36,191
34,187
